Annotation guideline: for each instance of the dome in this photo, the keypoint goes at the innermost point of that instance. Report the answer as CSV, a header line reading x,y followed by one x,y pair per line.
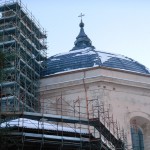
x,y
90,57
84,55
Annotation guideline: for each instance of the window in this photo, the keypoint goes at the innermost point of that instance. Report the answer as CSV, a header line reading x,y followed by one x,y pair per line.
x,y
137,138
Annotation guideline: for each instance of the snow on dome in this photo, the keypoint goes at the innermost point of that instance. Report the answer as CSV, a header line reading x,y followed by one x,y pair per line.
x,y
90,57
84,55
105,56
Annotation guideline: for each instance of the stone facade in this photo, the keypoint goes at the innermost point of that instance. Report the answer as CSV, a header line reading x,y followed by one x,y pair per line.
x,y
125,92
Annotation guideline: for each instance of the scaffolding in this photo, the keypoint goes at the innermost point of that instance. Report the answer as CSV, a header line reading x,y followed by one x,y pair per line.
x,y
23,42
66,126
28,120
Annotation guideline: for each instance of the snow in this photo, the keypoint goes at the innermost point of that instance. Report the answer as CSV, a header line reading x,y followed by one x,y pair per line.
x,y
104,56
54,59
33,124
147,69
100,57
95,65
74,51
67,69
85,52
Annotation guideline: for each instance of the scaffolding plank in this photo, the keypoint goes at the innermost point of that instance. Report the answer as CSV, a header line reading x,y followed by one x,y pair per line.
x,y
57,118
48,117
56,137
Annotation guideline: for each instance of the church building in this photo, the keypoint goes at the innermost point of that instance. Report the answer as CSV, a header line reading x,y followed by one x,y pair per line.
x,y
86,80
84,98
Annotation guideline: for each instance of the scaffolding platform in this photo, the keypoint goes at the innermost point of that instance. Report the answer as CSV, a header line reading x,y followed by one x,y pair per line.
x,y
95,122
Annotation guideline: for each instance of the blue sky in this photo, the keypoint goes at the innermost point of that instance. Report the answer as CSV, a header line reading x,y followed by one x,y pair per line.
x,y
117,26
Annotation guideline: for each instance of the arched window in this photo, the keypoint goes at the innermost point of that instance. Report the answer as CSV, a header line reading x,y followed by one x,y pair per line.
x,y
137,138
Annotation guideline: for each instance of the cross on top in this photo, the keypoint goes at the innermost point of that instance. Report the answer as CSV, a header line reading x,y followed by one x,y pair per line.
x,y
81,15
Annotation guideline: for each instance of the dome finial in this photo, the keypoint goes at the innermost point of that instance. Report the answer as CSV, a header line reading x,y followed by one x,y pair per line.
x,y
81,23
82,40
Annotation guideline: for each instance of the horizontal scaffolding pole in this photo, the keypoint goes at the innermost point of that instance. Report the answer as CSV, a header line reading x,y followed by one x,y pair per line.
x,y
59,118
56,137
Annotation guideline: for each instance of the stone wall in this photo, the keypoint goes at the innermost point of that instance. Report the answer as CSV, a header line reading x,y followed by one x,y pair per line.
x,y
126,94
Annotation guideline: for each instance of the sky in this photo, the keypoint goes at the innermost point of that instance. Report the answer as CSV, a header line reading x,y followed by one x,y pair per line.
x,y
116,26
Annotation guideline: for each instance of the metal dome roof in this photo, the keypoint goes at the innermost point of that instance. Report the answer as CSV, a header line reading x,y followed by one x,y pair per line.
x,y
84,55
90,57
